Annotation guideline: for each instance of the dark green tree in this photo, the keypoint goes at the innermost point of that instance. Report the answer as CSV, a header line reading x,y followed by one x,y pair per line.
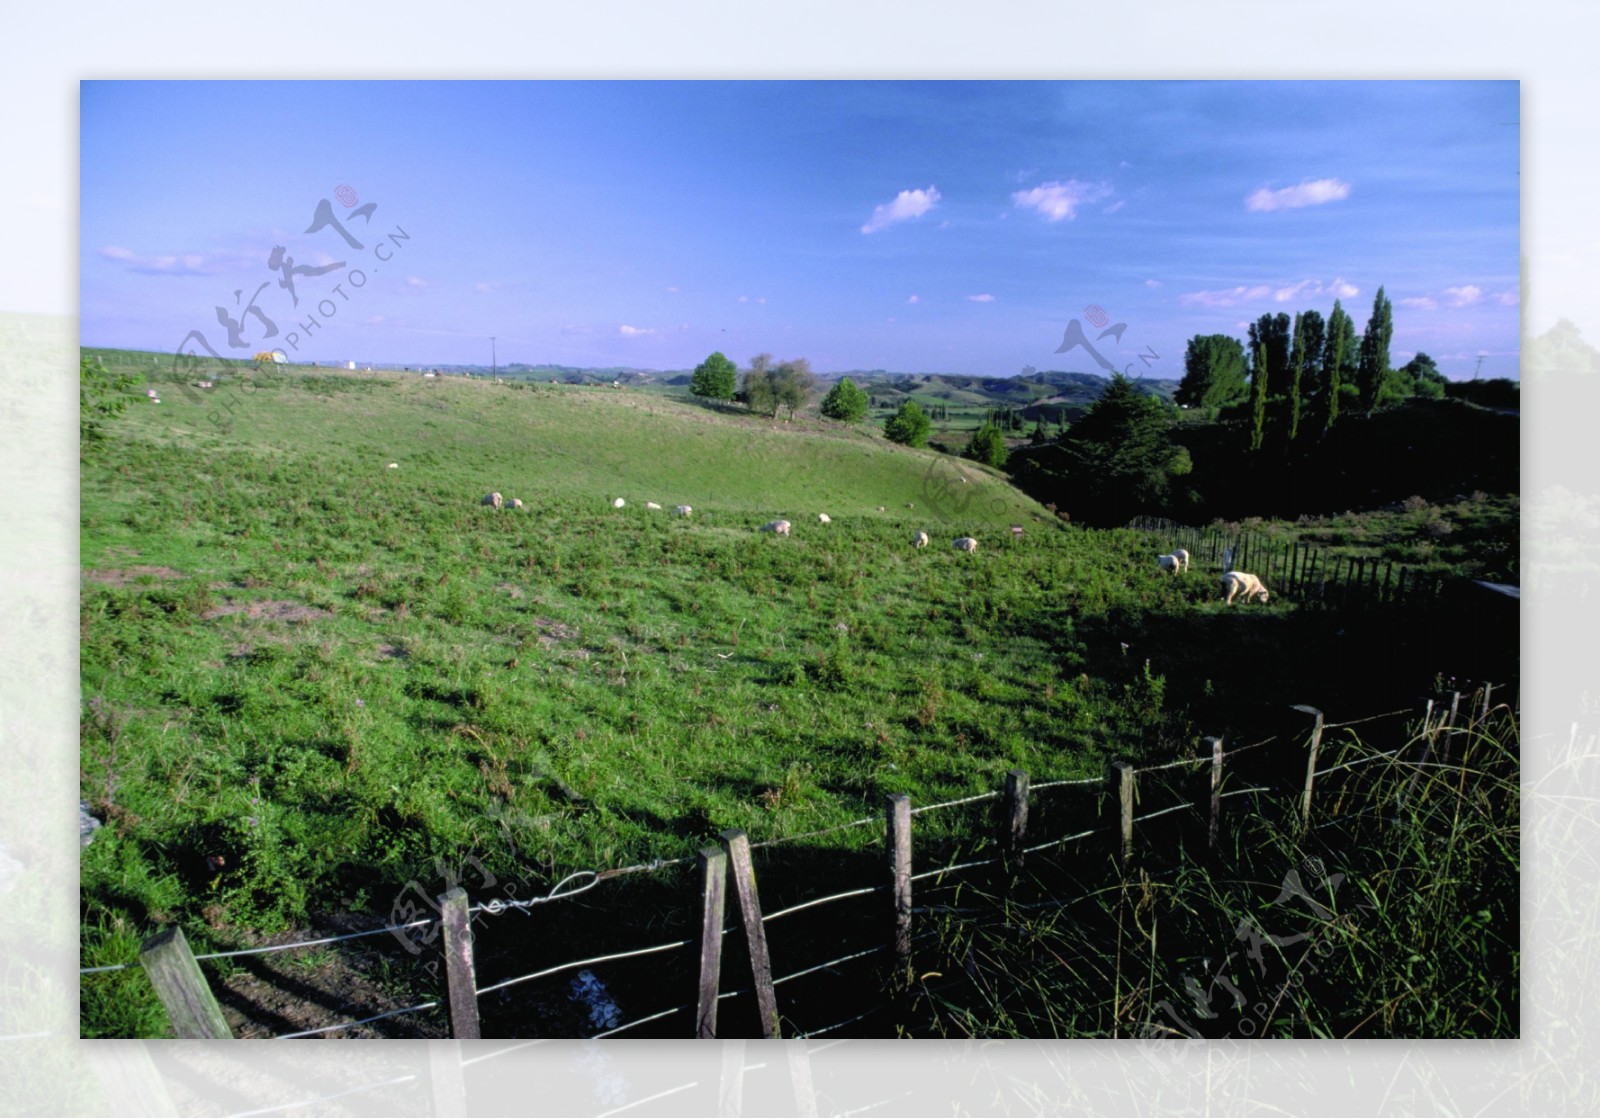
x,y
1297,362
1373,367
1337,350
1425,378
908,426
792,383
102,396
988,446
1260,378
1213,373
715,378
760,392
845,402
1120,458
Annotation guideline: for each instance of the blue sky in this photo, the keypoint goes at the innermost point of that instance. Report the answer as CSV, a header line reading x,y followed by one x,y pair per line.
x,y
915,227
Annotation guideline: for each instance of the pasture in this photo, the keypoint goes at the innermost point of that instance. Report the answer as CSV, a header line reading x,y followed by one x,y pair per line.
x,y
308,678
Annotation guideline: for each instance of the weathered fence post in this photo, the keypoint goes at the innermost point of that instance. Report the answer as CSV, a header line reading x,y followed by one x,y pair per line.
x,y
1483,715
713,865
183,990
1451,724
1215,814
737,846
460,976
899,844
1122,776
1312,748
1015,828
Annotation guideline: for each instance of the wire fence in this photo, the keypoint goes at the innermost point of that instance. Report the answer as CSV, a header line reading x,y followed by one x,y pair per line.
x,y
1012,806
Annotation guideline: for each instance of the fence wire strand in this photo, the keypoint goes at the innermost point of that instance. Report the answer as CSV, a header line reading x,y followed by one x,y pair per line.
x,y
504,983
830,963
360,1022
642,1021
820,901
953,803
814,834
953,869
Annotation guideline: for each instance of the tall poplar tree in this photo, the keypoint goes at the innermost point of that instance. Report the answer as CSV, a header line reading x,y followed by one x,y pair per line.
x,y
1259,332
1297,361
1335,355
1374,364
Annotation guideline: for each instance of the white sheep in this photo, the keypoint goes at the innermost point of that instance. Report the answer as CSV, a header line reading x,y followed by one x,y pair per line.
x,y
651,505
618,503
920,540
392,466
493,499
823,518
514,503
1170,563
779,527
1183,557
1238,582
683,510
966,544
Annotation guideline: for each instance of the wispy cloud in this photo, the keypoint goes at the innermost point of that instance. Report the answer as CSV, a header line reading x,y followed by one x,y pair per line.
x,y
1312,193
907,204
416,282
1228,297
1464,296
984,298
1420,303
483,287
1152,283
1115,206
577,328
1508,298
1055,201
914,299
672,290
1343,290
185,264
634,331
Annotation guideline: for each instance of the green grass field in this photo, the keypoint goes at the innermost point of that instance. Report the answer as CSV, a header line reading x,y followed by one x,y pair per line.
x,y
307,677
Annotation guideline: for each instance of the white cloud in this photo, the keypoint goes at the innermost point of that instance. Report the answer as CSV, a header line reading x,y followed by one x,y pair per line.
x,y
1226,298
1115,206
1508,298
1060,200
763,299
907,204
375,320
672,290
117,252
914,299
185,264
1152,283
984,298
1420,303
482,287
744,299
1343,290
1464,296
1294,291
1313,193
633,331
416,282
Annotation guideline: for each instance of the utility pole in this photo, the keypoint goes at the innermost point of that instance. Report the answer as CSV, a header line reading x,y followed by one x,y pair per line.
x,y
494,361
1477,367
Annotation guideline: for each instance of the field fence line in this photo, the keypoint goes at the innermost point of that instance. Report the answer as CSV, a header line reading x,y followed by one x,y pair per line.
x,y
1173,765
819,901
497,906
814,834
952,803
359,1022
1069,781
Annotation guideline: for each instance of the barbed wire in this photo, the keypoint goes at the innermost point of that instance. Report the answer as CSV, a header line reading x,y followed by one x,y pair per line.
x,y
1163,812
1069,781
819,901
642,1021
814,834
1173,765
497,906
1371,718
481,991
952,869
360,1022
271,948
831,963
1242,792
1358,761
1059,842
953,803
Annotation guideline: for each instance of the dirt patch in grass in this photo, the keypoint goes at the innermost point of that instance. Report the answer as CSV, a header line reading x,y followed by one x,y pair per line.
x,y
552,633
123,576
277,610
392,652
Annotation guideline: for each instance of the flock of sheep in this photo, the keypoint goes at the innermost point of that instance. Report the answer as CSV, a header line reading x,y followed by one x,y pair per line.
x,y
1234,583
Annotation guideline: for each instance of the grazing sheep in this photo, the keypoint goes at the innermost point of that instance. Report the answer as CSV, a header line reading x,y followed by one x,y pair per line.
x,y
920,540
1170,563
1183,557
967,544
779,527
392,466
514,503
1016,532
651,505
493,499
683,510
823,518
1238,582
881,509
618,503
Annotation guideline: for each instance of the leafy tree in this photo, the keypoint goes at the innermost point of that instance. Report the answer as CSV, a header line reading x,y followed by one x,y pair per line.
x,y
1337,350
908,426
1213,373
760,393
102,396
1425,379
1120,456
1374,364
792,382
988,446
1260,378
1042,433
845,402
716,378
1297,362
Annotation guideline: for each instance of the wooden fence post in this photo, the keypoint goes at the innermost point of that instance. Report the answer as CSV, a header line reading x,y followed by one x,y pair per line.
x,y
899,844
1311,761
713,866
737,846
460,976
1016,819
183,990
1483,715
1452,723
1122,775
1216,794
